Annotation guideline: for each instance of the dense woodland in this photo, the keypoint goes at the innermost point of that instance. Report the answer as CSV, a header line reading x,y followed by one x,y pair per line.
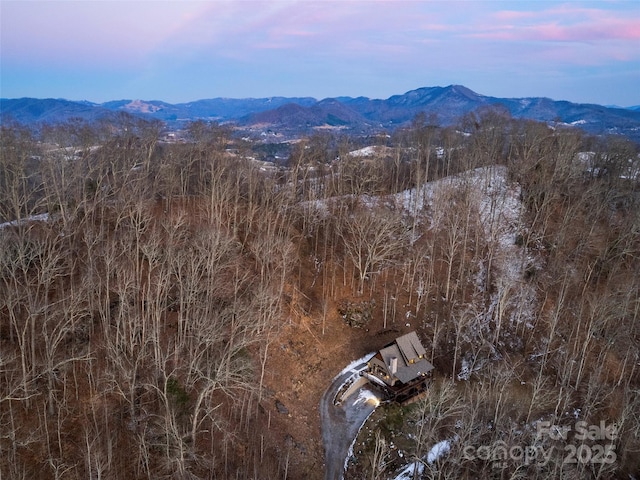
x,y
145,288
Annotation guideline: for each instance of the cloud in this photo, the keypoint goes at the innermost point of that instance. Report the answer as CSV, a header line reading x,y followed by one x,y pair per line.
x,y
103,31
128,32
560,24
379,42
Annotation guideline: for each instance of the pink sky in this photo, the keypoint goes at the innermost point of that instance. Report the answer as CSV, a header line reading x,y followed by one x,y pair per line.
x,y
181,51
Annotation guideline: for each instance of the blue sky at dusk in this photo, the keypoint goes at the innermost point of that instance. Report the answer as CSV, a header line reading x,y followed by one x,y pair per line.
x,y
179,51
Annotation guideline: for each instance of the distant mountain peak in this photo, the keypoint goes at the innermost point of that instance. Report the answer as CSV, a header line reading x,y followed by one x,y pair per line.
x,y
462,90
141,107
362,115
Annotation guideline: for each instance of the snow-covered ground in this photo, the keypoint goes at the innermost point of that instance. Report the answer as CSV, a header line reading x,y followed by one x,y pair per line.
x,y
43,217
364,152
498,210
356,366
407,473
498,206
437,451
370,151
367,396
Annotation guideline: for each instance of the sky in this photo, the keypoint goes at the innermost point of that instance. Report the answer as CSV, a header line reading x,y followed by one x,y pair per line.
x,y
179,51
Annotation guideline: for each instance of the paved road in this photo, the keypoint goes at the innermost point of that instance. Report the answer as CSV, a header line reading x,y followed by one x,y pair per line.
x,y
341,423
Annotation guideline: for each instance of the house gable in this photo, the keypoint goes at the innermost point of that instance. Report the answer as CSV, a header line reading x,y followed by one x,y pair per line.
x,y
401,361
411,348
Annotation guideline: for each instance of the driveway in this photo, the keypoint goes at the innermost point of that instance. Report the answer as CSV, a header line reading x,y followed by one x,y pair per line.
x,y
341,422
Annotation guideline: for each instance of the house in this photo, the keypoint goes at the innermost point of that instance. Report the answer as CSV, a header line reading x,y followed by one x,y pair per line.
x,y
401,368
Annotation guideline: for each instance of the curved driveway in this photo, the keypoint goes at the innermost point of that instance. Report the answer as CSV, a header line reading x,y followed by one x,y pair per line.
x,y
341,423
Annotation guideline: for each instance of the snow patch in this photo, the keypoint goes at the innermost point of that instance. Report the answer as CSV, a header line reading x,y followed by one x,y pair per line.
x,y
407,473
440,449
43,217
364,152
374,379
367,396
497,204
351,368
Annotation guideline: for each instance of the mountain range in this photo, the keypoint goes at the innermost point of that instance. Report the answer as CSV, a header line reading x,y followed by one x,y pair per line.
x,y
361,114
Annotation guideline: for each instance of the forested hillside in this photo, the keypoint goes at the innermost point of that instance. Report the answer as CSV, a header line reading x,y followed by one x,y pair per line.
x,y
175,310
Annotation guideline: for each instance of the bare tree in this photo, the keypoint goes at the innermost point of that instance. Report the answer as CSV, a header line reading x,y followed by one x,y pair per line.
x,y
371,239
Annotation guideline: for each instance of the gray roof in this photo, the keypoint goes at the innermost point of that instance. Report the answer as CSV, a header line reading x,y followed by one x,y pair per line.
x,y
410,347
410,354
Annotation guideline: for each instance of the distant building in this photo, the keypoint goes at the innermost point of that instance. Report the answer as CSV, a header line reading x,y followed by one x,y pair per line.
x,y
401,368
